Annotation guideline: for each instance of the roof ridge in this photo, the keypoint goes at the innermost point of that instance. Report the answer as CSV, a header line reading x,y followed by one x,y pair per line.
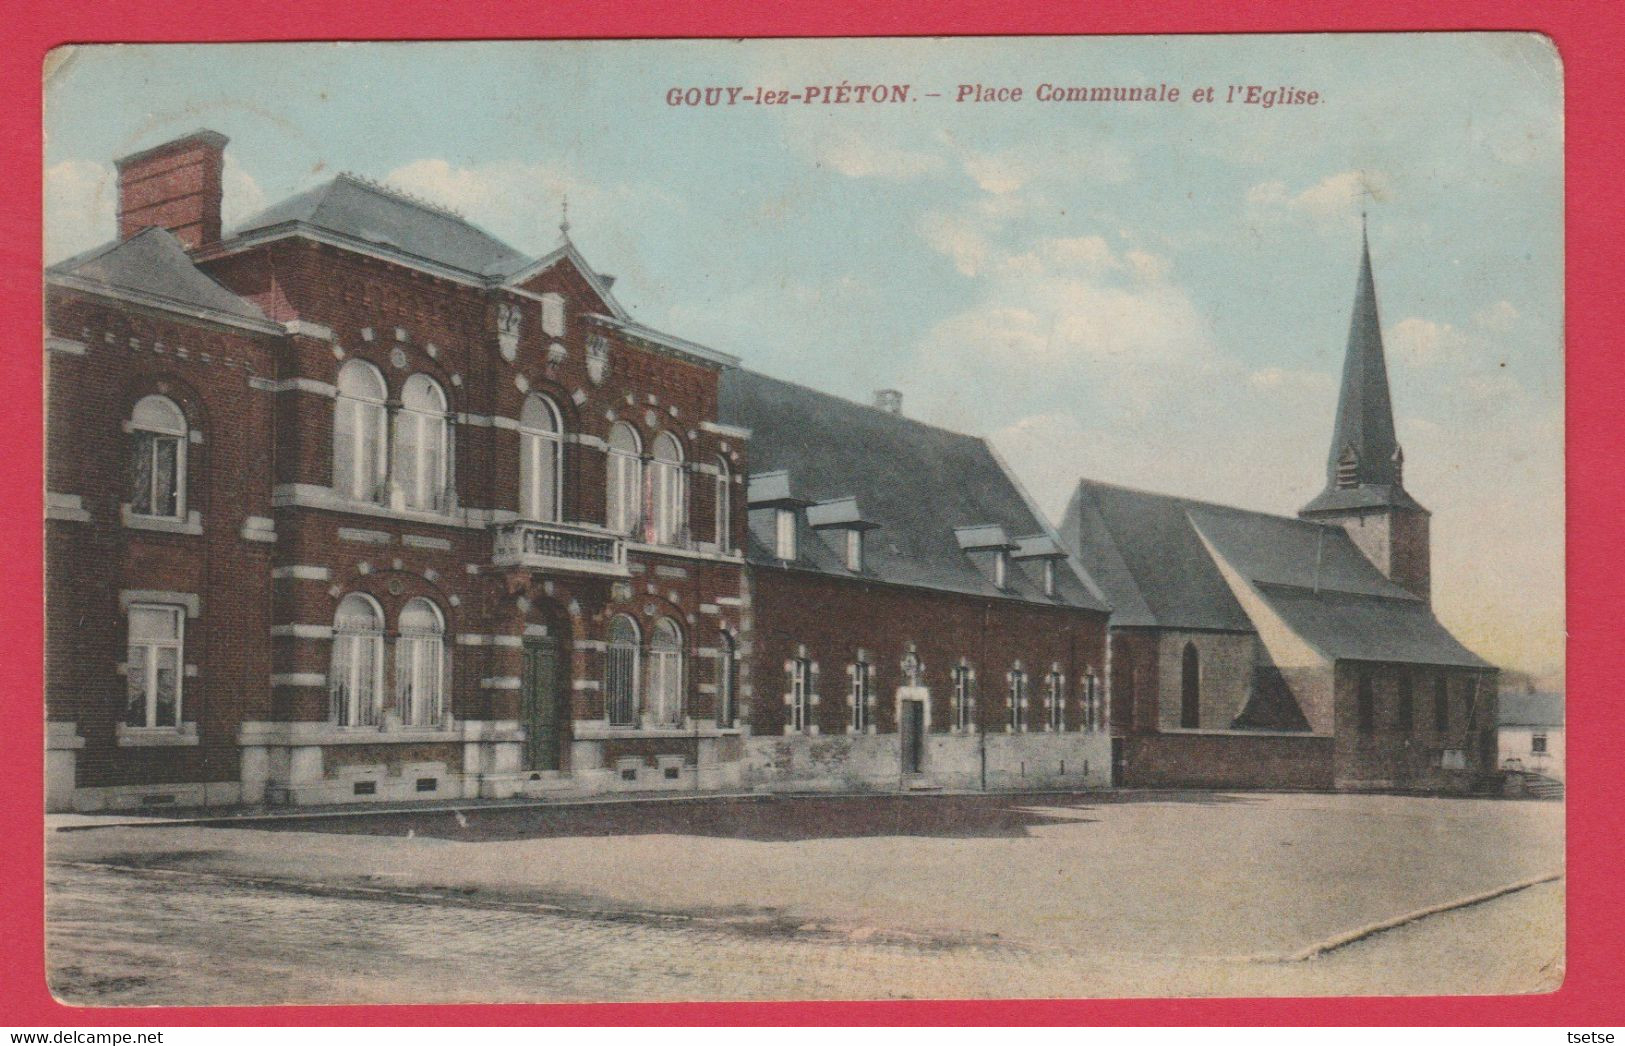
x,y
1190,501
899,418
1386,597
385,189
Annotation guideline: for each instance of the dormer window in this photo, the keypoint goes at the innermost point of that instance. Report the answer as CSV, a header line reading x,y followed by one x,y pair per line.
x,y
1049,578
854,550
1001,568
785,534
553,314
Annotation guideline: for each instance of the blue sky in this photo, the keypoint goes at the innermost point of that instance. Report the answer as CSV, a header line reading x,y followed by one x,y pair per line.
x,y
1149,294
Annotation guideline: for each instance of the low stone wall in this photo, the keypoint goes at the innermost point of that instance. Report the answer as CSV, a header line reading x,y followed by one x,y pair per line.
x,y
873,762
1227,760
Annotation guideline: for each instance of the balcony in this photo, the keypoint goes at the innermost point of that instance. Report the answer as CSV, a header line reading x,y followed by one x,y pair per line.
x,y
557,546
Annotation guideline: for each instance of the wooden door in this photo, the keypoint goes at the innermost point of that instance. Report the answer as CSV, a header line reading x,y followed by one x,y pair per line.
x,y
539,702
913,736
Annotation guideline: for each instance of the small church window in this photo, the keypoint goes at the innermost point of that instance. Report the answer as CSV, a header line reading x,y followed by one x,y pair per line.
x,y
1190,689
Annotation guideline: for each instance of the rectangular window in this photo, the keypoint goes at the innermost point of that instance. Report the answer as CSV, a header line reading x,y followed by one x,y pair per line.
x,y
1537,744
862,675
1001,566
553,315
1057,701
786,534
1406,716
1049,577
963,700
800,694
1018,698
1441,706
153,666
854,550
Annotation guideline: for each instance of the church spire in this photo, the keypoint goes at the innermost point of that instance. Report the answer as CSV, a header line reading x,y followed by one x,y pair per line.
x,y
1364,455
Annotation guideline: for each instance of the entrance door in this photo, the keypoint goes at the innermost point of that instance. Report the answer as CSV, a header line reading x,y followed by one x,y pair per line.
x,y
913,736
539,703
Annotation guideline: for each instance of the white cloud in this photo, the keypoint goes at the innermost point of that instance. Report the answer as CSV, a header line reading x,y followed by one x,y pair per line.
x,y
1331,201
241,195
80,207
1426,343
859,155
521,202
1498,317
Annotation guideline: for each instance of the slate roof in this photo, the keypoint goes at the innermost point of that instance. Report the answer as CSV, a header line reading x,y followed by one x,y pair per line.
x,y
916,481
1151,555
1365,412
361,210
1142,551
1525,709
154,265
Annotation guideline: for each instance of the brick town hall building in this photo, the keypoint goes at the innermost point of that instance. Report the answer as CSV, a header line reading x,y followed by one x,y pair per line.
x,y
359,503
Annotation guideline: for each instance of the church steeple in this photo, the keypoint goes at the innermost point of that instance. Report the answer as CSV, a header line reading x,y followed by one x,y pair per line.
x,y
1363,465
1365,483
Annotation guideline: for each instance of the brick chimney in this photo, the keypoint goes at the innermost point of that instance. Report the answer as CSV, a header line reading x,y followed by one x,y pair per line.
x,y
175,185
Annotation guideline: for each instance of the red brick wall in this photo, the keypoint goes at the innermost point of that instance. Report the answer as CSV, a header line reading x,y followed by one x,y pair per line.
x,y
130,353
1390,756
1226,761
1135,682
834,617
177,186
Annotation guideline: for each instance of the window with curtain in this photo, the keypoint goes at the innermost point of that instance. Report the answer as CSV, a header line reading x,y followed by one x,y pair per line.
x,y
541,462
666,496
727,673
420,665
359,432
356,680
153,666
624,496
665,694
421,445
621,672
158,486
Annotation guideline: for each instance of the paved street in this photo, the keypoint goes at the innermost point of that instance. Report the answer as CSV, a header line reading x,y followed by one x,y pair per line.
x,y
947,896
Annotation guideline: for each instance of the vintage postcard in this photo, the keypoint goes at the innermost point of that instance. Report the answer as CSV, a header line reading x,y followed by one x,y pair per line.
x,y
804,519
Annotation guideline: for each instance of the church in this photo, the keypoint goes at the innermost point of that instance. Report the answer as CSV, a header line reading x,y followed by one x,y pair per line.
x,y
1251,650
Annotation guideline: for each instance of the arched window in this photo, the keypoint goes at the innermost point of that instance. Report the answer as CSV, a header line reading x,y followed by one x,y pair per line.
x,y
359,432
356,681
625,477
665,695
724,505
421,445
1190,689
540,461
158,476
621,672
666,498
420,665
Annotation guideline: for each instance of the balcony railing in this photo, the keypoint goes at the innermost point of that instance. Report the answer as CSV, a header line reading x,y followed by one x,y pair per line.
x,y
555,546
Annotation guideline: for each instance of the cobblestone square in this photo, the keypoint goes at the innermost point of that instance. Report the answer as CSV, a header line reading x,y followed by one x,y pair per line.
x,y
948,896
